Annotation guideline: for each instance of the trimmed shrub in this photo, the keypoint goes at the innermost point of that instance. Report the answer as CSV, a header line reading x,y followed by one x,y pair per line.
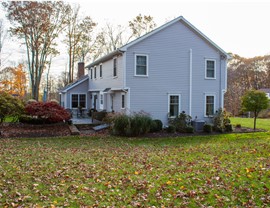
x,y
31,120
181,122
228,128
189,129
140,124
120,124
99,115
129,125
208,128
221,120
156,125
238,126
49,112
170,129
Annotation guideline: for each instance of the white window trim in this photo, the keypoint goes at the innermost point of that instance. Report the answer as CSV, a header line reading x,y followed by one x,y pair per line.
x,y
78,98
95,72
116,71
215,70
179,107
205,95
101,106
100,65
135,65
91,73
124,101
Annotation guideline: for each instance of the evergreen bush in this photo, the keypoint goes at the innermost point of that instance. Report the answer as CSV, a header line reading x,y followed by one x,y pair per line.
x,y
208,128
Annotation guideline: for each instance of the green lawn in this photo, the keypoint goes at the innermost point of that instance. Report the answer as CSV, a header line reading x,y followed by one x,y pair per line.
x,y
248,122
228,170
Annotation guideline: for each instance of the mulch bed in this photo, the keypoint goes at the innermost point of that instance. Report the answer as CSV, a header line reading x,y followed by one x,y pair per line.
x,y
19,130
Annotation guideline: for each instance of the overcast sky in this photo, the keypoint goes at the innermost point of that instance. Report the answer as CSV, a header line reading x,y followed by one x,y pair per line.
x,y
241,27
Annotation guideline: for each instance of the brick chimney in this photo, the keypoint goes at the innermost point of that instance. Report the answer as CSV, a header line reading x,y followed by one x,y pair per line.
x,y
80,70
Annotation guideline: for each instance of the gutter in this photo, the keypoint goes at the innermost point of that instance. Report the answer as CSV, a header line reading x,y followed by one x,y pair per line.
x,y
106,57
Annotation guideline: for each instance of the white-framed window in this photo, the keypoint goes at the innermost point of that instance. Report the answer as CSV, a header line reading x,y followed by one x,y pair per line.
x,y
101,100
210,102
173,105
141,65
95,72
78,100
115,67
100,70
123,100
210,69
91,73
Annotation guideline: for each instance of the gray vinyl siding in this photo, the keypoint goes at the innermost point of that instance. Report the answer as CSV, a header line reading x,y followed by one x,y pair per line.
x,y
107,80
79,89
98,85
168,61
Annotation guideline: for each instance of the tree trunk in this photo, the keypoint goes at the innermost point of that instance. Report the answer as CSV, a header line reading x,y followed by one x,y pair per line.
x,y
255,117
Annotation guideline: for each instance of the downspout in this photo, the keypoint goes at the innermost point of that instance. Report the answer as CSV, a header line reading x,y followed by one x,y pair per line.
x,y
125,81
222,91
190,82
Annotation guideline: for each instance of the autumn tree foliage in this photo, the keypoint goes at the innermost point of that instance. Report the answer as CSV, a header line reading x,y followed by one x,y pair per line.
x,y
48,112
38,24
245,74
141,25
13,80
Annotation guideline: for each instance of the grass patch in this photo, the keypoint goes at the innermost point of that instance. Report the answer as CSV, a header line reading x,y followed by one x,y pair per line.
x,y
230,170
248,122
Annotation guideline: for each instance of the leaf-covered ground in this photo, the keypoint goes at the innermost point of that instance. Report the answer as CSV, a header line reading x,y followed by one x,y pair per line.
x,y
203,171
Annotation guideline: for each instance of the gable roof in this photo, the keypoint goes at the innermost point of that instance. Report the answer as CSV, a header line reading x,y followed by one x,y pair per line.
x,y
74,84
181,19
123,48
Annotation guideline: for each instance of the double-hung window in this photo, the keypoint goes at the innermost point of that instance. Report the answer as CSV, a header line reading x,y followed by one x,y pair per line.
x,y
114,67
91,73
174,105
210,69
209,105
78,100
141,65
123,101
100,70
101,100
95,72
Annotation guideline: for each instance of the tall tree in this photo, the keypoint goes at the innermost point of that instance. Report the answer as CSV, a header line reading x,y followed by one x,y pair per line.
x,y
245,74
141,25
112,36
38,24
78,37
3,35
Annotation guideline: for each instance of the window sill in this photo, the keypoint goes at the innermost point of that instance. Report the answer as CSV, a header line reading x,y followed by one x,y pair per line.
x,y
211,116
145,76
210,78
115,77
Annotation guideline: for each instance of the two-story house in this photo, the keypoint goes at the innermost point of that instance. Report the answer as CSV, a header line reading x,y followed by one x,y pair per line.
x,y
174,68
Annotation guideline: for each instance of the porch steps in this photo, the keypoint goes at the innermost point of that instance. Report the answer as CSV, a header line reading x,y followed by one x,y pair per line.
x,y
74,130
86,129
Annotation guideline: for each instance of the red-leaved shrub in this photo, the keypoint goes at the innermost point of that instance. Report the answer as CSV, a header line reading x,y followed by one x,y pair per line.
x,y
51,112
